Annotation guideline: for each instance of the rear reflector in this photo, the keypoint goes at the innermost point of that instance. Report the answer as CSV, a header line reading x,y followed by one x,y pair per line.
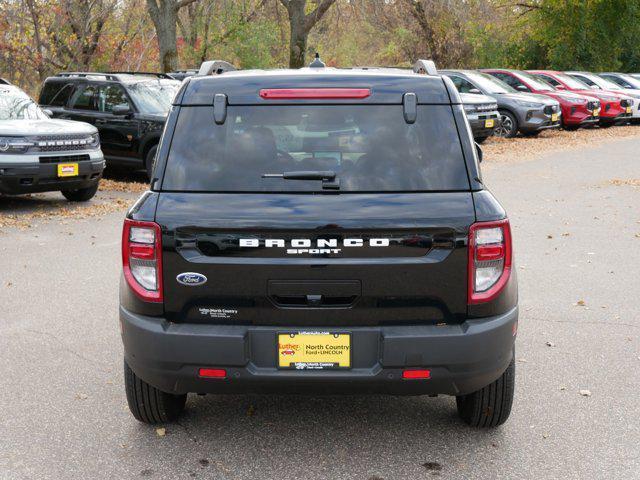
x,y
313,93
212,373
416,374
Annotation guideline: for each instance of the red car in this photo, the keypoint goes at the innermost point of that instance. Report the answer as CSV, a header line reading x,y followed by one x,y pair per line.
x,y
616,106
578,110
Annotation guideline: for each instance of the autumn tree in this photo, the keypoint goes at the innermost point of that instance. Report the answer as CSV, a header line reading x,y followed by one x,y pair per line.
x,y
300,24
164,15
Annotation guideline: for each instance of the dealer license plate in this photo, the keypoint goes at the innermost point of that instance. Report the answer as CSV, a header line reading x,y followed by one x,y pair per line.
x,y
314,350
68,170
628,109
554,117
596,112
488,123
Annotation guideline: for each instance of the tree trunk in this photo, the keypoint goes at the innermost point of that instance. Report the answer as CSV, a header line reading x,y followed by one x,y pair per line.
x,y
300,24
164,14
298,34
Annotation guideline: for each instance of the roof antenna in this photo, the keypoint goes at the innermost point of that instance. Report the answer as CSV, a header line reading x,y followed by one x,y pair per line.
x,y
317,63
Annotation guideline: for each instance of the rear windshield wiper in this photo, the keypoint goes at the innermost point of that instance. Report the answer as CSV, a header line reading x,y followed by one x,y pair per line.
x,y
328,177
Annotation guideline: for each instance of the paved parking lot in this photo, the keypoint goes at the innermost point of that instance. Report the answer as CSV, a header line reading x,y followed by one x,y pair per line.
x,y
576,219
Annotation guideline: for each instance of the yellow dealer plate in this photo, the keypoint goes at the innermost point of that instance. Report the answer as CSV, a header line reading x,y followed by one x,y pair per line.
x,y
488,123
596,112
314,350
628,109
554,117
68,170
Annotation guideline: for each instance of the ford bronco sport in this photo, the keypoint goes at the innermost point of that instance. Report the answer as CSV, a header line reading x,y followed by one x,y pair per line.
x,y
128,109
321,230
40,154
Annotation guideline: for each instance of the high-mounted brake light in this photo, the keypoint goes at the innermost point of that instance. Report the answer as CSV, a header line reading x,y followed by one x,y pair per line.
x,y
313,93
490,257
142,259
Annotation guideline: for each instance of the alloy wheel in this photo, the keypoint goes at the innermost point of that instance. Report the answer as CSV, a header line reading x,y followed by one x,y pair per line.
x,y
505,128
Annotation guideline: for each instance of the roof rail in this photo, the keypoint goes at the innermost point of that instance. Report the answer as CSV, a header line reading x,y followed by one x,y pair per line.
x,y
425,67
152,74
215,66
107,76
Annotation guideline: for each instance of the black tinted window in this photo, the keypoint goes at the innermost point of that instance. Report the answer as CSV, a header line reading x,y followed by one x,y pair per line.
x,y
111,96
85,100
369,147
56,94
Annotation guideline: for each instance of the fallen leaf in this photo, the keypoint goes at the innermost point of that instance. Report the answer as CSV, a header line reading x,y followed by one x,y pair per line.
x,y
579,303
161,432
551,344
585,393
82,396
549,236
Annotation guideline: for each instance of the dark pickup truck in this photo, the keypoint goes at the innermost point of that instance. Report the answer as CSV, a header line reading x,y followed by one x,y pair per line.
x,y
318,230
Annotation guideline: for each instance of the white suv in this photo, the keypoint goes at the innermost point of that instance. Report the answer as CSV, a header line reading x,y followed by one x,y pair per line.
x,y
40,154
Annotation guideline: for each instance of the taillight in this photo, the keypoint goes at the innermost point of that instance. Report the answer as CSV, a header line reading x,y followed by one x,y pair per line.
x,y
142,259
489,259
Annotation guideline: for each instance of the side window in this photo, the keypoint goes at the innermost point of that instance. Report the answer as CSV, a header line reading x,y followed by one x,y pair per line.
x,y
548,79
86,99
463,86
111,96
51,94
586,80
617,81
512,81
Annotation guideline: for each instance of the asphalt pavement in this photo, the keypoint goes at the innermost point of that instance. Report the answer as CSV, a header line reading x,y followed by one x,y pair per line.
x,y
63,412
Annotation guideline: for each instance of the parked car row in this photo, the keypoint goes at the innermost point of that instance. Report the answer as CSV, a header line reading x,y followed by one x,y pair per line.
x,y
534,100
86,118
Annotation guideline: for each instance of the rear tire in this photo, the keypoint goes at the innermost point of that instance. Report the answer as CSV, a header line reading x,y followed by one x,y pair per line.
x,y
150,160
490,406
147,403
508,125
81,194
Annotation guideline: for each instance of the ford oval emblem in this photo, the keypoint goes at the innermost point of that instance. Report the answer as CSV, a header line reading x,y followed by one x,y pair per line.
x,y
191,279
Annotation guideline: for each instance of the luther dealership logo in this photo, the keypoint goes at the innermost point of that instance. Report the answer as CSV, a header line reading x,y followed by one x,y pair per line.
x,y
298,246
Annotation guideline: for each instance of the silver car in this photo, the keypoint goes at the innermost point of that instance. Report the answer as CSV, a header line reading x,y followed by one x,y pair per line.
x,y
527,113
482,113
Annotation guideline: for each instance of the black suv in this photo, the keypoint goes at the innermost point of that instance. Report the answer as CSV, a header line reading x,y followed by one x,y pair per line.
x,y
128,109
318,230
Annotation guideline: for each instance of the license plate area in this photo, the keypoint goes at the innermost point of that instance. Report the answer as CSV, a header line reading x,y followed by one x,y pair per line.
x,y
489,123
313,350
67,170
554,117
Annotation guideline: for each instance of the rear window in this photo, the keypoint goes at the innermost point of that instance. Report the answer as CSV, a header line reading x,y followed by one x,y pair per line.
x,y
369,147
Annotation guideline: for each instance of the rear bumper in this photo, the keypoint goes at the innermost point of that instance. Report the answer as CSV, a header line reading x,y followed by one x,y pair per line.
x,y
19,178
462,358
